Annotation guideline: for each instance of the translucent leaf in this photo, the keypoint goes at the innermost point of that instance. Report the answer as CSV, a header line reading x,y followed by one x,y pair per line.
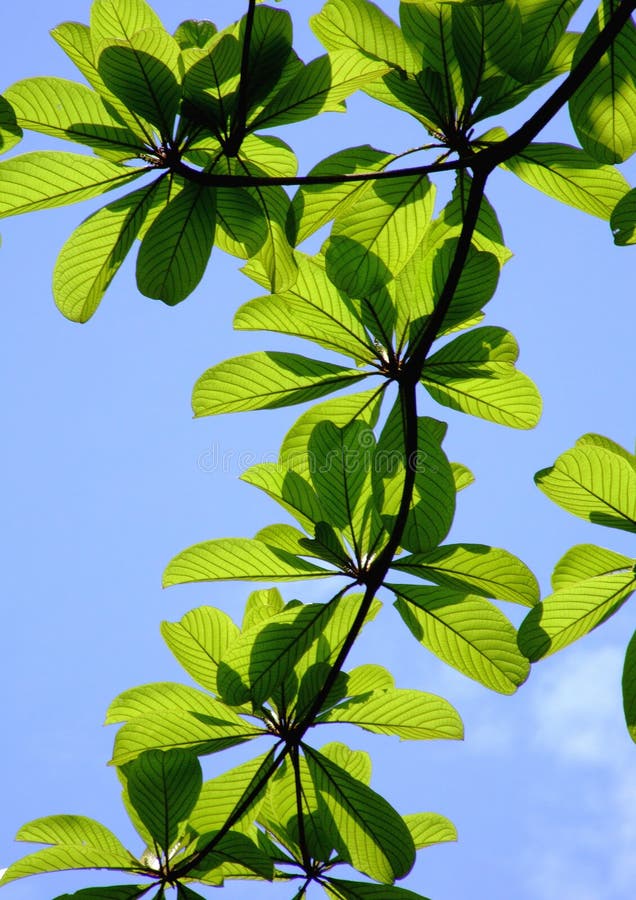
x,y
338,889
288,488
120,19
152,700
45,179
365,828
341,411
261,657
429,828
477,568
362,26
192,731
379,234
234,855
429,29
261,606
198,641
220,796
623,220
466,632
602,108
175,250
237,559
269,50
273,156
72,831
409,714
475,374
542,24
194,33
573,611
144,72
570,176
586,561
267,380
321,86
629,687
70,111
163,788
313,308
116,892
595,484
91,257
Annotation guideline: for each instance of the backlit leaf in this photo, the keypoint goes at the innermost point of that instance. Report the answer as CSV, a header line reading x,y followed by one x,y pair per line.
x,y
623,220
429,828
629,687
198,641
587,561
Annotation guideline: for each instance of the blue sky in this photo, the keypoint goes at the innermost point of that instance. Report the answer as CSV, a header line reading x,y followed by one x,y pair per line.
x,y
106,477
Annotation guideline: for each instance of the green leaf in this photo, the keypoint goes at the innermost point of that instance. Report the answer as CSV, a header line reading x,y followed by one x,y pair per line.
x,y
542,25
629,687
321,86
10,131
116,892
237,559
429,828
314,205
120,19
269,51
570,176
314,309
587,561
80,843
267,380
71,111
194,33
221,795
364,27
210,83
595,484
409,714
573,611
466,632
235,855
91,257
193,731
433,500
198,640
288,488
257,662
241,229
175,250
70,830
143,71
366,830
602,109
462,476
623,220
261,606
483,570
358,890
340,411
163,788
429,29
375,239
475,374
44,179
341,475
152,700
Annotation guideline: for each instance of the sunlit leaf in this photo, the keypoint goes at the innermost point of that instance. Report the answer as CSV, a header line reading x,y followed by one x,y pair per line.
x,y
623,219
338,889
542,24
219,797
194,33
573,611
477,568
411,715
365,828
571,176
44,178
237,559
198,641
267,380
429,828
587,561
602,109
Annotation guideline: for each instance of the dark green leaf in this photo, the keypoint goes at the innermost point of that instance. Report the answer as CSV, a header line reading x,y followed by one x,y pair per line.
x,y
338,889
175,250
163,788
629,687
623,219
194,33
542,25
10,131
